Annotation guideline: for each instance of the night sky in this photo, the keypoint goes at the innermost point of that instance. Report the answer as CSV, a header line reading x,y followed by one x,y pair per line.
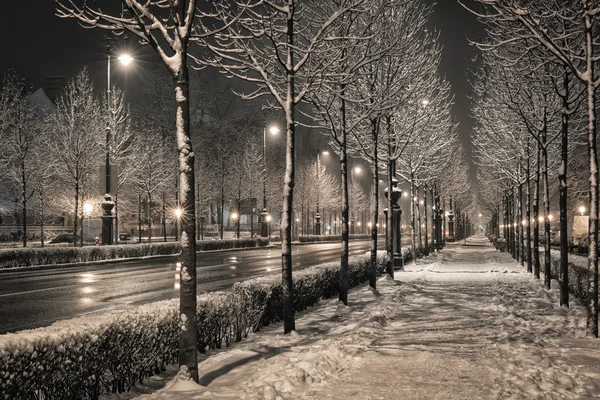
x,y
37,44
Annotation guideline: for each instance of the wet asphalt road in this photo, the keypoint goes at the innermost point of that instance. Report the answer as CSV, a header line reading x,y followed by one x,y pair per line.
x,y
31,299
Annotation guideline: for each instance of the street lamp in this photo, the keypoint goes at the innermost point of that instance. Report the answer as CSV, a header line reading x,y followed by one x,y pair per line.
x,y
235,218
582,210
318,216
268,219
108,203
264,226
178,212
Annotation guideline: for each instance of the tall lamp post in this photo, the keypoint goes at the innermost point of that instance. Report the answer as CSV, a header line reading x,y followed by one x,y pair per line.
x,y
108,203
318,216
264,223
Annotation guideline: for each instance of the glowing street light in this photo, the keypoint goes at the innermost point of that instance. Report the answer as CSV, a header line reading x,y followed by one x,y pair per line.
x,y
582,210
178,212
358,170
125,59
235,218
88,208
550,217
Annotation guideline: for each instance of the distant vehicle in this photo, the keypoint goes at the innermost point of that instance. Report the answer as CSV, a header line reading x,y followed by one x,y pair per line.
x,y
62,238
126,238
578,232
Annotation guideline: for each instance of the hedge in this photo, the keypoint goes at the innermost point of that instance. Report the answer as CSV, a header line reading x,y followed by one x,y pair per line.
x,y
329,238
578,272
23,257
83,358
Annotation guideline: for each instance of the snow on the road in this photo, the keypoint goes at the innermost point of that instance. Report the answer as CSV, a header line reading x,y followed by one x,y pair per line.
x,y
466,323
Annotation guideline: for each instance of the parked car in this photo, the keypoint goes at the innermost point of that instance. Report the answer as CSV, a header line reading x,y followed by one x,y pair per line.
x,y
62,238
127,238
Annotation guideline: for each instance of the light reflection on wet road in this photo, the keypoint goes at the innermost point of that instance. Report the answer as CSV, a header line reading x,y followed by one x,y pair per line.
x,y
37,298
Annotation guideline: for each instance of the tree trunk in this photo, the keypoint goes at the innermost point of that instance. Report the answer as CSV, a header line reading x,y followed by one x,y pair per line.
x,y
563,277
536,218
24,201
187,294
289,323
222,214
390,217
343,296
164,217
412,216
520,249
149,216
76,215
139,218
374,205
42,225
528,209
425,220
547,277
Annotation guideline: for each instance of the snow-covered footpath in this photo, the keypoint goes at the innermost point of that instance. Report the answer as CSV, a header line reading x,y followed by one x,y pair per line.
x,y
467,323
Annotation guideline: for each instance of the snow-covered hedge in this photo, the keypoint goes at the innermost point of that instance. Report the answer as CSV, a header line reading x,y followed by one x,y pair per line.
x,y
20,257
329,238
578,272
85,357
207,245
310,285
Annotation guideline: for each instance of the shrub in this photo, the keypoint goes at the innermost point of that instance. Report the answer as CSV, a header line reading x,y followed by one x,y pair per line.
x,y
329,238
85,357
578,273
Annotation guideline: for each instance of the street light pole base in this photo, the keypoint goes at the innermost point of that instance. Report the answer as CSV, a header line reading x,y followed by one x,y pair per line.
x,y
264,224
107,220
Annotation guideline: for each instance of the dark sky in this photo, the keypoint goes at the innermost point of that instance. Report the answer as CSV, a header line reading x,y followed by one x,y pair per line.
x,y
48,45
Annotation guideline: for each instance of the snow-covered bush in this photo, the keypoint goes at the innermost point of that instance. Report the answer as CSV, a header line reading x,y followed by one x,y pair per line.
x,y
264,295
85,357
323,238
578,273
207,245
22,257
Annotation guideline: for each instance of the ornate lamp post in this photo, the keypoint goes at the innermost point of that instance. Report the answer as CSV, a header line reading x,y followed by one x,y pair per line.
x,y
108,203
396,235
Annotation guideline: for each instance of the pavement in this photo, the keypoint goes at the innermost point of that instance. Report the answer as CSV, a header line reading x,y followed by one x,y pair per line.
x,y
464,323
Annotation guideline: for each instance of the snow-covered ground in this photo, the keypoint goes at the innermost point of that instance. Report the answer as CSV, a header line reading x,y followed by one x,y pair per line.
x,y
466,323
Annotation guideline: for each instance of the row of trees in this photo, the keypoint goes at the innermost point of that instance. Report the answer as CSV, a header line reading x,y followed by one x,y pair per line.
x,y
536,107
362,71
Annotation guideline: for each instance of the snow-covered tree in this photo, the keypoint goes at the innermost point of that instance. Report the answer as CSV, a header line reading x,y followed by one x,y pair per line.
x,y
77,132
273,45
